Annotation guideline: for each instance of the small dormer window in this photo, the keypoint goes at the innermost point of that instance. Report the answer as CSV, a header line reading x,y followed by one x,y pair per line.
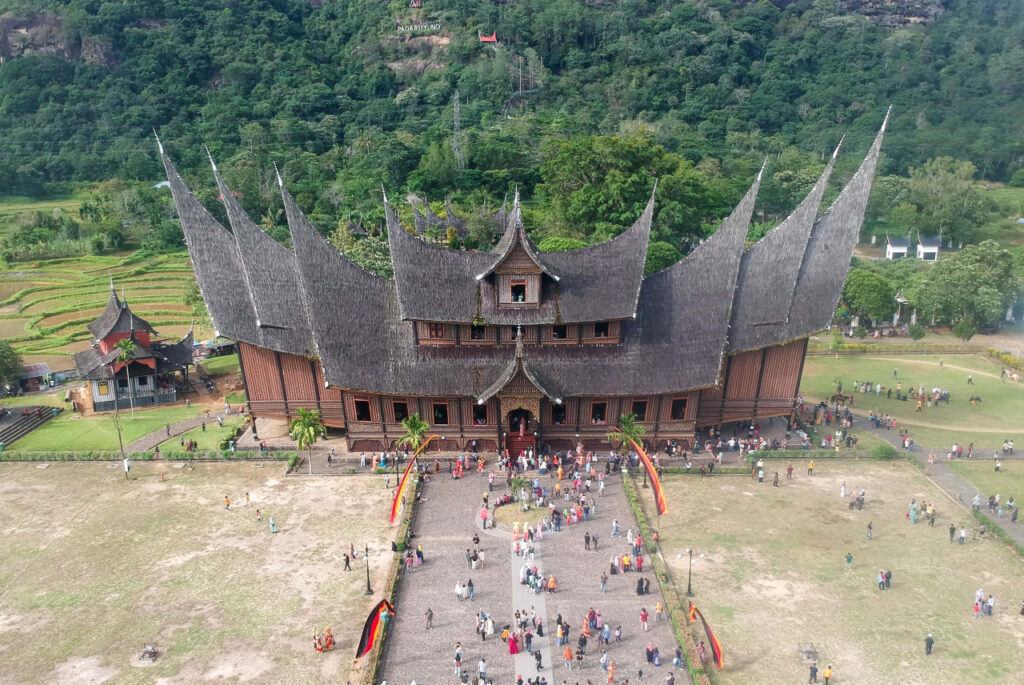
x,y
514,333
558,332
478,333
601,329
519,290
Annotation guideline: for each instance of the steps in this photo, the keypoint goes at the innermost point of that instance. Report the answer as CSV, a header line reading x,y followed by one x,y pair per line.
x,y
15,426
516,444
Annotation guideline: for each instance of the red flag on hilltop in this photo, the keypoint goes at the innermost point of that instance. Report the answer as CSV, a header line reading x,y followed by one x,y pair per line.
x,y
716,647
375,622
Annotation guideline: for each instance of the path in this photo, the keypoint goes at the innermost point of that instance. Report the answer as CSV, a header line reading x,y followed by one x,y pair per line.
x,y
951,482
148,443
445,523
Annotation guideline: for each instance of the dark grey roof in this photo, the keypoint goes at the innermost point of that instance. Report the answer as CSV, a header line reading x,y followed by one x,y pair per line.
x,y
674,342
933,242
823,272
422,221
93,365
452,220
594,283
272,282
117,318
220,273
769,271
903,242
516,366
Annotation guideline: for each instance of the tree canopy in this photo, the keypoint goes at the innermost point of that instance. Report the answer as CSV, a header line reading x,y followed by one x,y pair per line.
x,y
10,365
976,284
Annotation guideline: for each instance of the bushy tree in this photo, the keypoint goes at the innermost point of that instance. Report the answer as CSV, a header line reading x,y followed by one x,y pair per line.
x,y
868,294
976,284
660,255
554,244
964,329
10,364
916,331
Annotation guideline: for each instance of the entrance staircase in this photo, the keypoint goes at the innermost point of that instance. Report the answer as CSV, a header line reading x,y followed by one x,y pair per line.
x,y
16,426
516,444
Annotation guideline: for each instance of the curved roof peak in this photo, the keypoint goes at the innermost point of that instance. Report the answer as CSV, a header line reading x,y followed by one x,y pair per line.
x,y
515,236
517,367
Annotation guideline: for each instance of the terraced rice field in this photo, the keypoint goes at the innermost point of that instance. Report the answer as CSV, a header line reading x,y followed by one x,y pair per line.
x,y
45,305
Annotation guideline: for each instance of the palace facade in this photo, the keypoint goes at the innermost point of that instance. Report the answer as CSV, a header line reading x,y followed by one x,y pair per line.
x,y
516,347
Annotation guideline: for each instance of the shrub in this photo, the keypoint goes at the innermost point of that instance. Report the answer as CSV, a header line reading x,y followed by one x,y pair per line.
x,y
884,452
292,461
860,332
964,329
916,331
1017,180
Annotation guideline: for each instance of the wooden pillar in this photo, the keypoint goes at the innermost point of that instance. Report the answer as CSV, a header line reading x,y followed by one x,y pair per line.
x,y
284,390
245,383
760,377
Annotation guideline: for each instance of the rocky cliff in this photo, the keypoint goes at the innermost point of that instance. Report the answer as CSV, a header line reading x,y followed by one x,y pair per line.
x,y
43,35
894,13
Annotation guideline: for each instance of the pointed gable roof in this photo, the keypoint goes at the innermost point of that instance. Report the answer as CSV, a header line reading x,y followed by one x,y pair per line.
x,y
117,318
769,271
823,272
513,240
517,370
268,268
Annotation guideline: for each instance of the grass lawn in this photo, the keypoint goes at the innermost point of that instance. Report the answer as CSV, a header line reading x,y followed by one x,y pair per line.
x,y
1009,482
71,431
211,438
769,575
107,566
216,366
986,424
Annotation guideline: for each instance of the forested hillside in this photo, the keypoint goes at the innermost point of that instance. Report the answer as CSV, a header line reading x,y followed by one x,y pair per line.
x,y
579,104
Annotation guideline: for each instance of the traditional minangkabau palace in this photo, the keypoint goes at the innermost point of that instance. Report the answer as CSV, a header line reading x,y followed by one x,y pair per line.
x,y
515,347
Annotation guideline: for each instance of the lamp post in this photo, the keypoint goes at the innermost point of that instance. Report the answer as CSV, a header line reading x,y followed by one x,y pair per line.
x,y
689,575
369,590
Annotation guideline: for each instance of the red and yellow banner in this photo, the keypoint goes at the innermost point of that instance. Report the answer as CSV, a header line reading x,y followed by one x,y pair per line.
x,y
652,475
397,503
375,622
716,647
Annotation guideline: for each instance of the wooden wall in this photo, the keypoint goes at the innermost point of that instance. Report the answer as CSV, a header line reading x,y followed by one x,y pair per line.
x,y
757,384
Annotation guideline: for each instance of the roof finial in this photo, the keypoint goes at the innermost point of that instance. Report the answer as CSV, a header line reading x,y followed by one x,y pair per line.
x,y
384,193
113,292
764,165
210,156
836,152
278,173
885,122
159,145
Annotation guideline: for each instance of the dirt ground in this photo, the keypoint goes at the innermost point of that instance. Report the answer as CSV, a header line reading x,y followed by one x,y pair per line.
x,y
769,574
94,567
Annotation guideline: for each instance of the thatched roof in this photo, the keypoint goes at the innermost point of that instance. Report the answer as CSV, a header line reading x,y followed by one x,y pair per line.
x,y
269,271
769,271
92,364
674,324
117,318
827,259
595,283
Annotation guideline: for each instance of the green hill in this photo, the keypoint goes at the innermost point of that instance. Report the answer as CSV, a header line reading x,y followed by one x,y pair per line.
x,y
349,95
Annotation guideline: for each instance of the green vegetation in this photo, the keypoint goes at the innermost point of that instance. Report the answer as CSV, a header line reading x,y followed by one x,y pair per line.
x,y
213,437
986,424
216,366
981,473
10,365
48,303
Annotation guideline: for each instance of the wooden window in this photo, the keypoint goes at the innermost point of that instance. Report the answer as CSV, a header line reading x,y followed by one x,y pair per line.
x,y
401,410
598,413
519,290
558,333
441,413
601,329
122,383
639,409
363,410
477,333
143,380
479,414
513,332
557,414
678,409
435,331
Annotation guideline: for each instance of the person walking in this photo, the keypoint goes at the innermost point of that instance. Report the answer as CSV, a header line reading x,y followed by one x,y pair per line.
x,y
789,472
643,617
604,582
963,534
827,674
813,677
849,561
227,502
567,657
881,581
869,530
348,564
586,541
952,532
928,643
810,467
428,619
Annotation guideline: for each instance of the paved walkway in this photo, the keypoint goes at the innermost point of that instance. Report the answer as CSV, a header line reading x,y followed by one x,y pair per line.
x,y
445,523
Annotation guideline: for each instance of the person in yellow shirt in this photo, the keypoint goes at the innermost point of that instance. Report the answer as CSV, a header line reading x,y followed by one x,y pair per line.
x,y
810,467
826,674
